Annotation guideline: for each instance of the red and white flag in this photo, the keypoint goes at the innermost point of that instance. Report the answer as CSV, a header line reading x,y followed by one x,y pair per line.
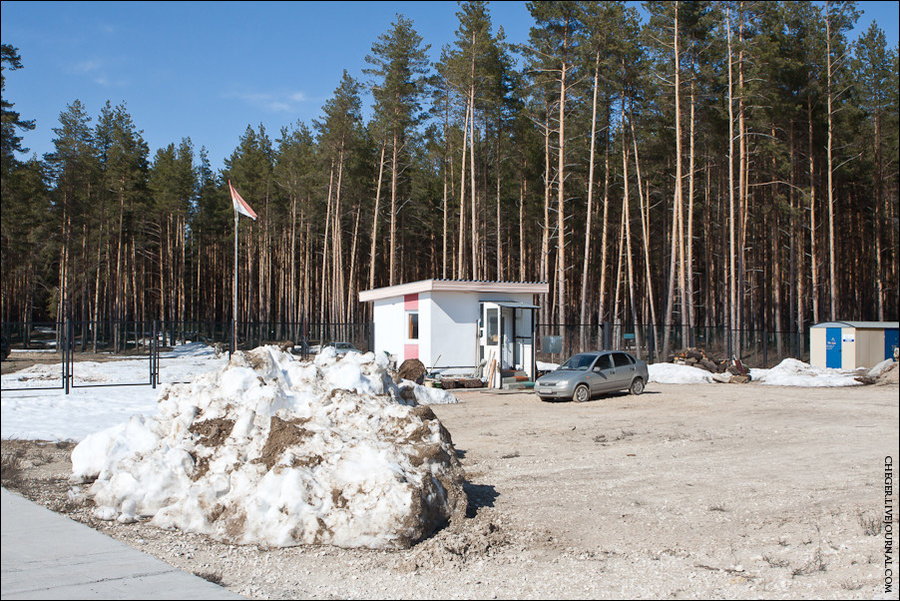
x,y
240,205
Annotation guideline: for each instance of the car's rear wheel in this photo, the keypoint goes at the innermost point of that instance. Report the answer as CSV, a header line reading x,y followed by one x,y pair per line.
x,y
637,386
582,394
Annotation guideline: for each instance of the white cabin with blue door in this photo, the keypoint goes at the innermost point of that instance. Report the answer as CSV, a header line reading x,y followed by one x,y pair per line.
x,y
852,344
458,326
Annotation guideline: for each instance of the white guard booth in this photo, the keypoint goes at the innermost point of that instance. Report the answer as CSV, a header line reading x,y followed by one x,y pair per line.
x,y
458,326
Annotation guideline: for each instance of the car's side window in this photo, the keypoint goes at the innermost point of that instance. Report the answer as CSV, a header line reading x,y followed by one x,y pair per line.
x,y
622,360
604,362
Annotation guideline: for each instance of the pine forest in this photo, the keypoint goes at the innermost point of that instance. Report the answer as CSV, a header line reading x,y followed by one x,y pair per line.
x,y
712,164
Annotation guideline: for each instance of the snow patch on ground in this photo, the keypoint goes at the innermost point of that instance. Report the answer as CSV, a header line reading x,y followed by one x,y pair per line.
x,y
789,372
882,368
671,373
792,372
276,452
425,395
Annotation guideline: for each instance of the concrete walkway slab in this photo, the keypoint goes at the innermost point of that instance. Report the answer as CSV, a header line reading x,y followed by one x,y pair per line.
x,y
48,556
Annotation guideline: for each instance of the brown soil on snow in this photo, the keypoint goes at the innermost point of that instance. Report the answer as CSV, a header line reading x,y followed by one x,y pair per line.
x,y
714,490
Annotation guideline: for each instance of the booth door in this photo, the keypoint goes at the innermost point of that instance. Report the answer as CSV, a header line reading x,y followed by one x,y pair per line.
x,y
490,338
891,341
833,348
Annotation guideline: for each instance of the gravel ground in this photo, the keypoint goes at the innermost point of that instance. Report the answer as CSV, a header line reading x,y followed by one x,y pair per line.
x,y
697,491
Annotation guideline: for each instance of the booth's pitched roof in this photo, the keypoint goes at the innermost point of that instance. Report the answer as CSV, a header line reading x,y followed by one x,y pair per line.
x,y
454,286
860,325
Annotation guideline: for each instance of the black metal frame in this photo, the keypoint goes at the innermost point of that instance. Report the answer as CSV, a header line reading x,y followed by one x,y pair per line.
x,y
66,344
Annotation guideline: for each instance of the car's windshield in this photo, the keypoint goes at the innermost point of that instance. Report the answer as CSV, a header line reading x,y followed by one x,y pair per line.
x,y
579,362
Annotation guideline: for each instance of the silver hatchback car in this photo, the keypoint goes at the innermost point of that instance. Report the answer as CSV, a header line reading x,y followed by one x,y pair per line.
x,y
587,374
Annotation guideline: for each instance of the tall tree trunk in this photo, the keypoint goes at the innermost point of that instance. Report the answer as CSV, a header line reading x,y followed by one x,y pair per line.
x,y
545,231
499,242
813,247
645,228
523,193
879,175
616,317
352,292
476,274
560,197
293,304
689,235
372,254
832,279
732,251
604,223
676,260
119,300
395,166
461,245
324,306
627,220
743,203
588,231
340,292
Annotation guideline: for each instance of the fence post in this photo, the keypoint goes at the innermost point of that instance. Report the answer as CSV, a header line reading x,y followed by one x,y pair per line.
x,y
67,331
154,349
63,356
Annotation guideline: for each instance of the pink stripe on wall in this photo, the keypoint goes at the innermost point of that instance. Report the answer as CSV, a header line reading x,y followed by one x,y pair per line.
x,y
411,302
410,351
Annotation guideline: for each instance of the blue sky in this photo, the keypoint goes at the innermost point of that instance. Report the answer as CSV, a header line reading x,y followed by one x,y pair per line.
x,y
207,70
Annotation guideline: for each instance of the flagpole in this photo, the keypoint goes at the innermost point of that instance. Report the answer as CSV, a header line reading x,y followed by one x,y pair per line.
x,y
234,317
240,207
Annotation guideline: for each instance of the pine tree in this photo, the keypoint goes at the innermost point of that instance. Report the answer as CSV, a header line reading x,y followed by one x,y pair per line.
x,y
554,54
10,141
399,67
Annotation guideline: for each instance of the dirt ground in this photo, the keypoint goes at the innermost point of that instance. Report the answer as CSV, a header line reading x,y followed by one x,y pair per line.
x,y
687,491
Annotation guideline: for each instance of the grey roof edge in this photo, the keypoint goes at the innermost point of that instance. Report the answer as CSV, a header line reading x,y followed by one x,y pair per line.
x,y
436,285
861,325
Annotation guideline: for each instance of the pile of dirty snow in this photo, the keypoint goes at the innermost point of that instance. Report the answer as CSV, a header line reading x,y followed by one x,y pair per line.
x,y
885,372
792,372
424,395
272,451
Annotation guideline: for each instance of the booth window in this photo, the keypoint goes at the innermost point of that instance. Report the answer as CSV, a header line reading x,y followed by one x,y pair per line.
x,y
412,326
493,318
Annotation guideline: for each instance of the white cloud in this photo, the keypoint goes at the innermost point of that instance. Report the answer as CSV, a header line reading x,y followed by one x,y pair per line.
x,y
275,102
98,71
87,66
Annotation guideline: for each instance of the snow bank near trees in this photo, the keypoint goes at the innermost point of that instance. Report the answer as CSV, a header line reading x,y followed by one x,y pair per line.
x,y
789,372
792,372
276,452
671,373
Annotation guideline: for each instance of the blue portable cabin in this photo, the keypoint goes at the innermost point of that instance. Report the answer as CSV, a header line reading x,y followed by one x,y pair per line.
x,y
853,344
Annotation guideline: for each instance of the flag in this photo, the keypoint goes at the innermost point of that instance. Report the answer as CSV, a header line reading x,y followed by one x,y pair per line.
x,y
240,205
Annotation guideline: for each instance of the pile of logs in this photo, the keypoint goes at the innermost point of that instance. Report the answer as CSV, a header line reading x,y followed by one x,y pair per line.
x,y
461,383
698,358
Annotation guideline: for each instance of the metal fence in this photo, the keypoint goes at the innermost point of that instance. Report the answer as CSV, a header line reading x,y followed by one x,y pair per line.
x,y
756,348
64,342
67,342
122,337
50,342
